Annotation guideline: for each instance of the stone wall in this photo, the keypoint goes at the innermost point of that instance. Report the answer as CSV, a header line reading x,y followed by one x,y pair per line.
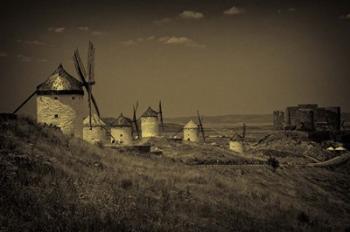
x,y
191,135
95,135
312,117
121,135
149,127
63,111
278,120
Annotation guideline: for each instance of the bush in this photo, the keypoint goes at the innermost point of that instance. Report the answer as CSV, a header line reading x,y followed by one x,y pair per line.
x,y
273,162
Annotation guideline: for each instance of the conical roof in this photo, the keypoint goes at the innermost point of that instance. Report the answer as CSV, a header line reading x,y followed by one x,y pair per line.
x,y
122,121
60,82
191,125
150,113
96,121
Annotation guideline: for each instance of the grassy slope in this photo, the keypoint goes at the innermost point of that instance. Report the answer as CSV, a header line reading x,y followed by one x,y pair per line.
x,y
52,183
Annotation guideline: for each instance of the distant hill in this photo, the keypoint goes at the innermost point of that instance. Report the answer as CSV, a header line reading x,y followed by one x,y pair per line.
x,y
236,118
231,118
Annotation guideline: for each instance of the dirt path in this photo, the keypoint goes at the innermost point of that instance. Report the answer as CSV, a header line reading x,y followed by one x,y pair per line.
x,y
331,162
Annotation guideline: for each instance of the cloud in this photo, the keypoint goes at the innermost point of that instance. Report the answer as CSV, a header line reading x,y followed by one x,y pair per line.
x,y
162,21
181,40
129,43
3,54
234,11
32,42
27,59
346,16
97,33
188,14
24,58
56,29
166,40
83,28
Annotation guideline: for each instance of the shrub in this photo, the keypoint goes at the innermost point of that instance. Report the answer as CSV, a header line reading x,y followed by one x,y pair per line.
x,y
273,162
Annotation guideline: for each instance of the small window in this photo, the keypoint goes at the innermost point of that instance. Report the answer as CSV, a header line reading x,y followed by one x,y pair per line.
x,y
113,141
56,98
73,98
121,135
56,115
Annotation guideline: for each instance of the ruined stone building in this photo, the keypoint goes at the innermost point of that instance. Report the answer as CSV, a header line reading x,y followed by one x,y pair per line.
x,y
60,102
308,117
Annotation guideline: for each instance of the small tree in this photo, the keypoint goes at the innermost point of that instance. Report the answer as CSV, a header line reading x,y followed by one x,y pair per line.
x,y
273,162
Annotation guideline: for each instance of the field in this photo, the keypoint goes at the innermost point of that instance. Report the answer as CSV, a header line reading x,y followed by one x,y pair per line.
x,y
50,182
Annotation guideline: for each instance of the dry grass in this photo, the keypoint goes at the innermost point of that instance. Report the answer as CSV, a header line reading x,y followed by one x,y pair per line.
x,y
53,183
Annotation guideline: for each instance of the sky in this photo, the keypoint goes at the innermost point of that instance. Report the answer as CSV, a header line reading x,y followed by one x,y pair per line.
x,y
216,56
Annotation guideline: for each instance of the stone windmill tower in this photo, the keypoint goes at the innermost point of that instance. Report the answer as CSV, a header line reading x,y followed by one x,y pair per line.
x,y
149,123
59,102
121,131
191,132
94,128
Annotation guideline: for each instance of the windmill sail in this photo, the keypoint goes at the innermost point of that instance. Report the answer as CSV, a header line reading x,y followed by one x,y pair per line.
x,y
79,66
200,126
82,74
161,115
134,119
91,64
23,103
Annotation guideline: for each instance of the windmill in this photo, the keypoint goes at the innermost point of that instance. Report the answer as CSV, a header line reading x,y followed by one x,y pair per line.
x,y
161,115
87,79
134,118
201,130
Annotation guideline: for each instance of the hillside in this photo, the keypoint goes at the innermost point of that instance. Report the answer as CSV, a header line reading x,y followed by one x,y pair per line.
x,y
227,119
50,182
252,119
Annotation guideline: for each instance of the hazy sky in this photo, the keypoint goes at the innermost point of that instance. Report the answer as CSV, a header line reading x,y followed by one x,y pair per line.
x,y
221,57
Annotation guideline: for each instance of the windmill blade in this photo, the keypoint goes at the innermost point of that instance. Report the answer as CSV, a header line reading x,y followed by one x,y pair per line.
x,y
161,115
95,105
135,120
89,103
91,63
82,74
200,125
244,130
137,105
23,103
79,67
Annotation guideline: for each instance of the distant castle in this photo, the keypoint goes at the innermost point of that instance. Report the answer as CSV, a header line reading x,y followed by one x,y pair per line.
x,y
308,117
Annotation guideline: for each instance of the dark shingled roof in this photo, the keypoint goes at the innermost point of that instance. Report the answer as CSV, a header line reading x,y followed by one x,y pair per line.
x,y
60,82
122,121
150,113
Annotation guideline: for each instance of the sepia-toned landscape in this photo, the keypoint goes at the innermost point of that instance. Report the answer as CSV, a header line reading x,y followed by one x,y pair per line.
x,y
175,116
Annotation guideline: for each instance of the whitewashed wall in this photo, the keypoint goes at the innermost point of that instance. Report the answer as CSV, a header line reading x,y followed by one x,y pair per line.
x,y
121,135
149,127
67,108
